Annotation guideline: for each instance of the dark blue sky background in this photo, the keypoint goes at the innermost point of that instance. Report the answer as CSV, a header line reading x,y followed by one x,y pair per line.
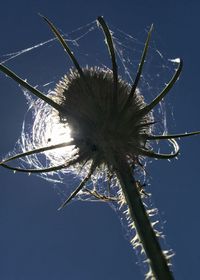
x,y
86,240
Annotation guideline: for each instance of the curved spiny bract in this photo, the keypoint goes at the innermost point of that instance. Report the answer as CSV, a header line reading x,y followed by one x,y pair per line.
x,y
156,101
170,136
65,46
139,71
38,170
74,193
73,161
37,151
30,88
152,154
82,184
111,50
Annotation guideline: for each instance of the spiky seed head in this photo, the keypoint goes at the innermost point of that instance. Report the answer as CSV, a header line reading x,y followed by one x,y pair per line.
x,y
99,128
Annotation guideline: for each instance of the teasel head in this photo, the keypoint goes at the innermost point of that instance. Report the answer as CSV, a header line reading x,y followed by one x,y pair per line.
x,y
111,129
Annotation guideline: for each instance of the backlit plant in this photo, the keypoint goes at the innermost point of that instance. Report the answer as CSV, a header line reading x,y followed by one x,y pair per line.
x,y
110,132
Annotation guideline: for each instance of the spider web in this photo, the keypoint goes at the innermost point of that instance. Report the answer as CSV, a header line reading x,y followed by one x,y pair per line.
x,y
87,43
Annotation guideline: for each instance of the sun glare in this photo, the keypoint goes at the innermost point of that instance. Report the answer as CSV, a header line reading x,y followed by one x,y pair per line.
x,y
48,128
57,133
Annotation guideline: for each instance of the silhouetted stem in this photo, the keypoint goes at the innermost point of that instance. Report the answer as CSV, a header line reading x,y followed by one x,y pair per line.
x,y
147,236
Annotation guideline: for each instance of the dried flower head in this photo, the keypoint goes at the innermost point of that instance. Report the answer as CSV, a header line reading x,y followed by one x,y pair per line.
x,y
111,129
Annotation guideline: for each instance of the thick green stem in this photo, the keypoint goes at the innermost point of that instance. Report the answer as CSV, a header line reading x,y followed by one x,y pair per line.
x,y
147,236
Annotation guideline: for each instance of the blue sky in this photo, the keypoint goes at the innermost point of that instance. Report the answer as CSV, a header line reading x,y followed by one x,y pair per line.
x,y
86,240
